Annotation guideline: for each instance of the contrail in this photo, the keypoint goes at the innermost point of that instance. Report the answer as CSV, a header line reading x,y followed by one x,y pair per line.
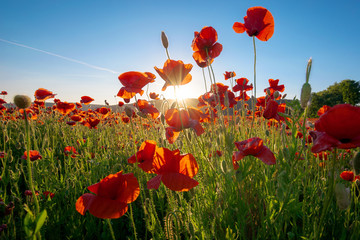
x,y
59,56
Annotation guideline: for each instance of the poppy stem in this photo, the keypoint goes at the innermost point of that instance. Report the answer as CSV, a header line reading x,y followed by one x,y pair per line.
x,y
31,183
167,53
132,221
111,229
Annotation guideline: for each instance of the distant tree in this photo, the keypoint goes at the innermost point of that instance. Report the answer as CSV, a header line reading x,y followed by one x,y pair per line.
x,y
347,91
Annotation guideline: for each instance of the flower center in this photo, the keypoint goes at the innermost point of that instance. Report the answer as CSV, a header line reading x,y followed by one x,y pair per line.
x,y
345,140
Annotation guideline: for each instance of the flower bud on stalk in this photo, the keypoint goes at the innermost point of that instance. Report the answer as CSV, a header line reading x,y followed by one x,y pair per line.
x,y
164,40
22,101
356,162
342,196
306,88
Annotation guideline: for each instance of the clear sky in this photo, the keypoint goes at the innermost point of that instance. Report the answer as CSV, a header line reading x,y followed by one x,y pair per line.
x,y
77,48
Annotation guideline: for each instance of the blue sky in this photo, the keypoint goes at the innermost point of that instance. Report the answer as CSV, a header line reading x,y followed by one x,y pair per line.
x,y
121,36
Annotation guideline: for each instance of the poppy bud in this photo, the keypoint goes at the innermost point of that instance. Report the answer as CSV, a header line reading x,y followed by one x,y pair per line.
x,y
284,96
342,196
357,163
305,94
164,40
129,111
267,91
276,94
22,101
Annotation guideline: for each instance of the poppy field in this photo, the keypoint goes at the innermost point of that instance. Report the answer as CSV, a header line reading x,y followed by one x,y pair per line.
x,y
235,166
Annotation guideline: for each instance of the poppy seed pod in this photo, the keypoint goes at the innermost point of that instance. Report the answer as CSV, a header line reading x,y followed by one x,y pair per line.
x,y
357,163
129,111
305,94
342,196
276,94
22,101
164,40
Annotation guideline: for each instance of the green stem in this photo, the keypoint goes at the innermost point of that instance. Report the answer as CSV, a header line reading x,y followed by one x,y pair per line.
x,y
111,229
132,221
31,184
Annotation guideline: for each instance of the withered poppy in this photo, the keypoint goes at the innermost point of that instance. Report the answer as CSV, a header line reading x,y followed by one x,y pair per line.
x,y
229,75
133,83
64,107
144,156
178,121
147,108
254,147
174,73
42,94
154,96
337,128
175,171
34,155
86,100
112,196
205,46
258,22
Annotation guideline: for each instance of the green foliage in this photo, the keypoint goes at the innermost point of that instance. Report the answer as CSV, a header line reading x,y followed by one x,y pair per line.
x,y
347,91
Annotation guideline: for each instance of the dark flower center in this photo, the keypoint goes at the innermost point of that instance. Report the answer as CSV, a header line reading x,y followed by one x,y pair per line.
x,y
345,140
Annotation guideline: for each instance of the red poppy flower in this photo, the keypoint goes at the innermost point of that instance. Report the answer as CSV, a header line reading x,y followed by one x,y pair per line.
x,y
2,154
70,150
103,111
133,83
154,96
322,110
272,109
175,73
229,75
76,118
91,122
50,194
337,128
144,156
121,104
64,107
347,176
258,22
254,147
3,93
176,125
175,171
147,108
112,196
205,46
243,87
34,155
86,100
2,101
43,94
274,87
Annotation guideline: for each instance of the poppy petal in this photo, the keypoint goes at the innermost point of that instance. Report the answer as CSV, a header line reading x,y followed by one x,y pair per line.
x,y
131,190
239,27
178,182
266,156
84,202
154,183
188,165
322,141
107,208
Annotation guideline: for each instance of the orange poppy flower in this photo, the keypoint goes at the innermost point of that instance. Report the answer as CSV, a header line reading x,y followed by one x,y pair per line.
x,y
133,83
147,108
144,156
205,46
176,125
42,94
258,22
154,96
323,109
254,147
337,128
274,87
34,155
86,100
70,150
229,75
175,171
91,122
175,73
64,107
112,196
